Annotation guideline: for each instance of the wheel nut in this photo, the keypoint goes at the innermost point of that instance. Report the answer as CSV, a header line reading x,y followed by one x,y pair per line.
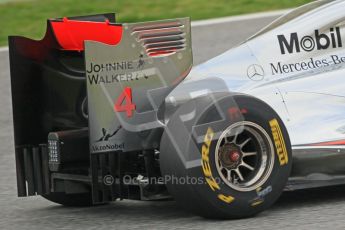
x,y
234,156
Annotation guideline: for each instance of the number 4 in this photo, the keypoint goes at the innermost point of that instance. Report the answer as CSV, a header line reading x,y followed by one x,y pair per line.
x,y
124,102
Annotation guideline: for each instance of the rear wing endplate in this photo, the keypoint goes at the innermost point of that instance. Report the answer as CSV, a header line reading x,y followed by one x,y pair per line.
x,y
128,82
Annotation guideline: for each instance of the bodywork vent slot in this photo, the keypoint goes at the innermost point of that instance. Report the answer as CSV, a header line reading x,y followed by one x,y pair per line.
x,y
160,39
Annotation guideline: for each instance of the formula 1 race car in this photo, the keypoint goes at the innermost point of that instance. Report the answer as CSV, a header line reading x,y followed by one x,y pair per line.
x,y
105,111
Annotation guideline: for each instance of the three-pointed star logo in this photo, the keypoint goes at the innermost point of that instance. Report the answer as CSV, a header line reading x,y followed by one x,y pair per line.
x,y
255,72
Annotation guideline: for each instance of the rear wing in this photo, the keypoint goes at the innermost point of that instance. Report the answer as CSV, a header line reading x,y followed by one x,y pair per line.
x,y
47,76
128,82
146,60
96,84
49,90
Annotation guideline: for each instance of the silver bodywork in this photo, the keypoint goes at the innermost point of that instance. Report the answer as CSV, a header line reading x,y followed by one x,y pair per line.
x,y
295,65
152,57
310,98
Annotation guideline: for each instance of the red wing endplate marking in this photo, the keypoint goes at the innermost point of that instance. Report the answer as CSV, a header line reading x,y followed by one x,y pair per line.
x,y
71,34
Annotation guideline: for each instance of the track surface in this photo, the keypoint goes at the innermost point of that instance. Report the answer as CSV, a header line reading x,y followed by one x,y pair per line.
x,y
310,209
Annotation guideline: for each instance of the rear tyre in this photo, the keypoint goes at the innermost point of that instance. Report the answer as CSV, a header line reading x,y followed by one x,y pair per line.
x,y
226,157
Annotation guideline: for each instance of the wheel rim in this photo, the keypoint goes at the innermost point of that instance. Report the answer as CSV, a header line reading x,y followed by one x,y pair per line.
x,y
244,156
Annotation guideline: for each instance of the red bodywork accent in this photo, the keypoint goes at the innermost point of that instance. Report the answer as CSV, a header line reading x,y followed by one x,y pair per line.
x,y
330,143
71,34
163,52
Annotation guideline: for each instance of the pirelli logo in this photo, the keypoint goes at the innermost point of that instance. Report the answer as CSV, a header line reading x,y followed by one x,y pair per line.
x,y
206,168
279,142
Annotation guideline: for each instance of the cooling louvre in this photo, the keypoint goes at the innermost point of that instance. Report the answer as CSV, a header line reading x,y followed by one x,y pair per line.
x,y
161,38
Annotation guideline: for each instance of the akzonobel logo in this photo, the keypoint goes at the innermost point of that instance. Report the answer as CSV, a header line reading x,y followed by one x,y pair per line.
x,y
295,44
